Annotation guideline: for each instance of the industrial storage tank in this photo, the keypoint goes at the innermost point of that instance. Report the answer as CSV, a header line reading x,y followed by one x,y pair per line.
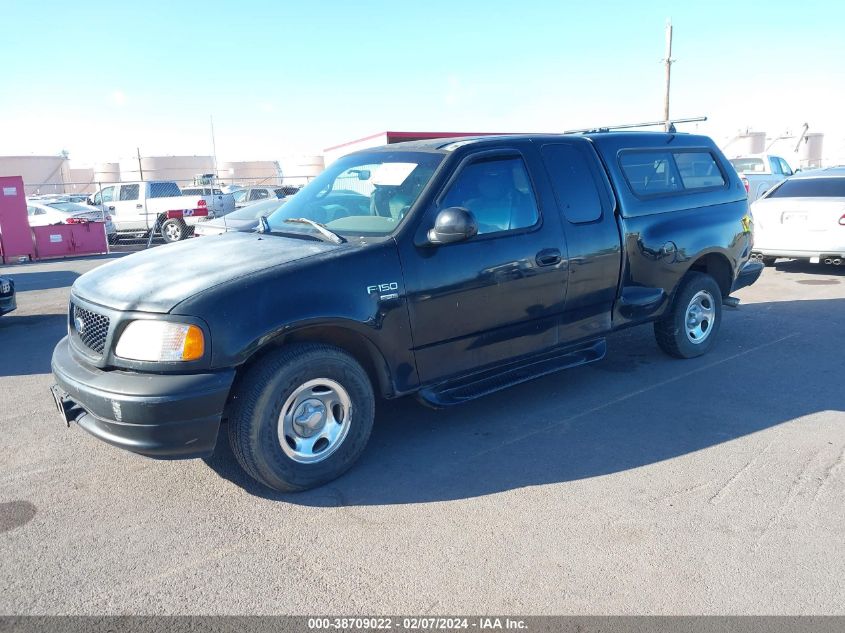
x,y
300,169
810,150
746,143
41,174
81,180
182,169
250,172
106,173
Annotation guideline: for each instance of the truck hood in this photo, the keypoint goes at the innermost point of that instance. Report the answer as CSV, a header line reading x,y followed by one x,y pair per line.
x,y
156,280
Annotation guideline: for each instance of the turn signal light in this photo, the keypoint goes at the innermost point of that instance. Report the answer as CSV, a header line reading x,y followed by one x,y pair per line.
x,y
747,185
194,345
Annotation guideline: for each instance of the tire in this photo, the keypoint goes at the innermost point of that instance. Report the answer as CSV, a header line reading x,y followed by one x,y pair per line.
x,y
700,299
295,378
174,230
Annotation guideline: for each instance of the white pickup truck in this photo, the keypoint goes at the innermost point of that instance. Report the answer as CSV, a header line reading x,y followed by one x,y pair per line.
x,y
135,207
220,203
760,172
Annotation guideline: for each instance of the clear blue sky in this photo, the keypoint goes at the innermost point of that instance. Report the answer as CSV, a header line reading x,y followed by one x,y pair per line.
x,y
100,78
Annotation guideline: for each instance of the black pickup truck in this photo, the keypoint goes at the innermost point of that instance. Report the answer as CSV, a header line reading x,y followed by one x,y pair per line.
x,y
448,269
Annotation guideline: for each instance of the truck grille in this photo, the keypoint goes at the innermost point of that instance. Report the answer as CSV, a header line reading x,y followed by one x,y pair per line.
x,y
91,328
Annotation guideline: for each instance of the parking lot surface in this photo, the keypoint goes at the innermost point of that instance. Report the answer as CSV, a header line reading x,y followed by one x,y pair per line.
x,y
640,484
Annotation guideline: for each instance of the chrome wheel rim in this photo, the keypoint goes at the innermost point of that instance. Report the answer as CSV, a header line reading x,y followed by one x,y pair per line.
x,y
314,421
173,232
700,317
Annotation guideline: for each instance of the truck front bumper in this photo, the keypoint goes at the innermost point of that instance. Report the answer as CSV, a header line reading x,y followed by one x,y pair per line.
x,y
167,416
748,274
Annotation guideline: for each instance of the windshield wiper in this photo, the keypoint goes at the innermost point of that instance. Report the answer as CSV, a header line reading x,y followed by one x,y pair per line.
x,y
326,232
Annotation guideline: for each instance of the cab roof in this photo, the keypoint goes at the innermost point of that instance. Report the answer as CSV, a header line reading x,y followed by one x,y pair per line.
x,y
645,138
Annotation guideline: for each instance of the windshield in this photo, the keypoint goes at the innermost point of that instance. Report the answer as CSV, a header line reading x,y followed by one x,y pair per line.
x,y
361,194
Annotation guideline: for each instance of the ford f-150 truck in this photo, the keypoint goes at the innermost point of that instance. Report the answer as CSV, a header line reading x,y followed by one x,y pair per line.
x,y
136,208
448,269
760,172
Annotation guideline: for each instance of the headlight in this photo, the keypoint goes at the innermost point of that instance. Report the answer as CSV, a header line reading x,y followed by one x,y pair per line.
x,y
161,341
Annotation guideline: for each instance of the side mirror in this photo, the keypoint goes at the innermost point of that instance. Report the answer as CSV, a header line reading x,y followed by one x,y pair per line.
x,y
89,201
454,224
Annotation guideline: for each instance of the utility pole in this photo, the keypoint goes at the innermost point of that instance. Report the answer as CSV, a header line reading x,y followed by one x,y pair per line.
x,y
214,149
140,169
668,61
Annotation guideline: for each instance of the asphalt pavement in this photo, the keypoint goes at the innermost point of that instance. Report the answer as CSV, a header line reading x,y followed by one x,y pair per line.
x,y
640,484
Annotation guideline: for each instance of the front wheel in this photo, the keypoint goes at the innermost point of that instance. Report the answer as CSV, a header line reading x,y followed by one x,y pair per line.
x,y
301,416
689,329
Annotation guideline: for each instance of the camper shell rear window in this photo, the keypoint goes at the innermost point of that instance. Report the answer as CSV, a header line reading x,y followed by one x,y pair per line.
x,y
658,172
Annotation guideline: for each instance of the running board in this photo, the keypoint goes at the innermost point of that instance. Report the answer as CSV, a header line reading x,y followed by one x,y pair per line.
x,y
490,381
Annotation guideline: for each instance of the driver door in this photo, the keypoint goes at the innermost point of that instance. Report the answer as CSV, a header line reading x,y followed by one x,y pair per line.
x,y
494,297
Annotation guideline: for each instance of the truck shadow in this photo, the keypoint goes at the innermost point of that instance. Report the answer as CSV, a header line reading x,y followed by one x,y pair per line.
x,y
27,341
43,280
635,408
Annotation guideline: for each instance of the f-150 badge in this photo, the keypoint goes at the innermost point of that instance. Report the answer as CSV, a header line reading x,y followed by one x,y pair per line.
x,y
385,291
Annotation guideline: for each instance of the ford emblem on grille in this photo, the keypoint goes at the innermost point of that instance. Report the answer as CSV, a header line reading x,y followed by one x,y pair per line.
x,y
79,322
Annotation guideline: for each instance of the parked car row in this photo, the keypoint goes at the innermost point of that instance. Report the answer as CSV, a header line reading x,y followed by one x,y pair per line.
x,y
133,209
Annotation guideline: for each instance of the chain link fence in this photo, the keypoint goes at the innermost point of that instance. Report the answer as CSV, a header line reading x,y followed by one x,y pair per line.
x,y
146,213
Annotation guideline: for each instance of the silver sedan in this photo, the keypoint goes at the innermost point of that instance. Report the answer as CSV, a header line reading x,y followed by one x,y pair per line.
x,y
244,220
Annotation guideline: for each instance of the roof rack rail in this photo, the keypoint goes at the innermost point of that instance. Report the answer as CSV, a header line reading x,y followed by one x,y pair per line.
x,y
624,126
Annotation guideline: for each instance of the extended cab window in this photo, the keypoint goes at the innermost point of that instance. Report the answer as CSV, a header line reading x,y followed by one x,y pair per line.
x,y
573,182
164,190
497,192
259,194
652,173
129,192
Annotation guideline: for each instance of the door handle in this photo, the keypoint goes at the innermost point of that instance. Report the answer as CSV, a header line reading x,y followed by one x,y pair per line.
x,y
548,257
111,208
139,206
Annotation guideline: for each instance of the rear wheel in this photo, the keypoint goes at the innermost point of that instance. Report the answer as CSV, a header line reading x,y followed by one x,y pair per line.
x,y
174,230
689,329
301,416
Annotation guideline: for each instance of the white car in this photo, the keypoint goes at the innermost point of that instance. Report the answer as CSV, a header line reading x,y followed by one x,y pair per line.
x,y
803,218
41,213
